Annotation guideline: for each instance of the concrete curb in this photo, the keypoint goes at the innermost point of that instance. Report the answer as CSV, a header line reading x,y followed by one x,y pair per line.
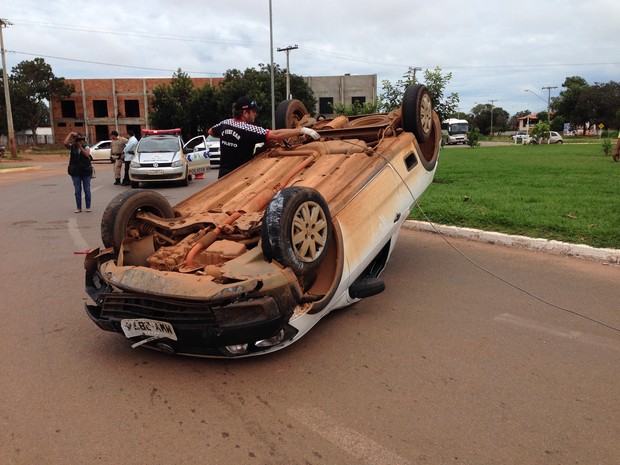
x,y
543,245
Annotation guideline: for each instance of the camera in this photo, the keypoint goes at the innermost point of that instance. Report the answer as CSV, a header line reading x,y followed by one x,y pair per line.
x,y
79,138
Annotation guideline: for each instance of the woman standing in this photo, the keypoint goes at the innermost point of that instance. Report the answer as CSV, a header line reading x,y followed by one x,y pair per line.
x,y
80,168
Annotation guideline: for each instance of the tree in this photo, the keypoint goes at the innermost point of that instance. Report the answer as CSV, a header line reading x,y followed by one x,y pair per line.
x,y
195,110
172,105
606,100
481,118
392,95
436,83
32,84
567,102
582,104
256,84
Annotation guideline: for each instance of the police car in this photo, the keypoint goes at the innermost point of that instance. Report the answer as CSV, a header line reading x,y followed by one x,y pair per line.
x,y
161,156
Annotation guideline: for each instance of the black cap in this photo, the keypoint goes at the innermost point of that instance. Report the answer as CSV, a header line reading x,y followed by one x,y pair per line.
x,y
244,103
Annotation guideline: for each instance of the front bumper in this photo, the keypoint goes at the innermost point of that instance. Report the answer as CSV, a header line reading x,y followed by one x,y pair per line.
x,y
157,174
203,327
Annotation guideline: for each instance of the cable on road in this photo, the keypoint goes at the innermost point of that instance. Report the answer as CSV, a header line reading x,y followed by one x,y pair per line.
x,y
514,286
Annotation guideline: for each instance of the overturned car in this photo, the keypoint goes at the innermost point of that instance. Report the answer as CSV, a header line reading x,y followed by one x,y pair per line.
x,y
250,263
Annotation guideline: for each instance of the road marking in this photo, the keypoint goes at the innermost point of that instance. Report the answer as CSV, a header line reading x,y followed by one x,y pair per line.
x,y
559,331
76,235
347,439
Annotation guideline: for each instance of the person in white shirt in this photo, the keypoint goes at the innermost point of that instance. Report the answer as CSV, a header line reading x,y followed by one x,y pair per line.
x,y
128,154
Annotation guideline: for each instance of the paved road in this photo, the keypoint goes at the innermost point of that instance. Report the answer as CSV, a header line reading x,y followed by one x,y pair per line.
x,y
449,365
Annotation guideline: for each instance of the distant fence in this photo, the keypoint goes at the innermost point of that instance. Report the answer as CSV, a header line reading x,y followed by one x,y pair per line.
x,y
27,139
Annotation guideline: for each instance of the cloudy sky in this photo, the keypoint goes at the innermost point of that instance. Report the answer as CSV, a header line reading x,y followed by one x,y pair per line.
x,y
499,51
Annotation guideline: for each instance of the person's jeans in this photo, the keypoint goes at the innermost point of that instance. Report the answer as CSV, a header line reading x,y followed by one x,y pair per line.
x,y
78,182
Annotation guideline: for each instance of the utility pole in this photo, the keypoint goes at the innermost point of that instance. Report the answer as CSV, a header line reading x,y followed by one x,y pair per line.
x,y
273,92
288,79
7,96
492,102
417,68
549,102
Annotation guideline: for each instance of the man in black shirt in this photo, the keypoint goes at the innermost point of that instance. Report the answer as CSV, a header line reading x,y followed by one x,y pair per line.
x,y
238,135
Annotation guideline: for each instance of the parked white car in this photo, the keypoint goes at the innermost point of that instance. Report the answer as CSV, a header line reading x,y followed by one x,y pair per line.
x,y
519,136
101,151
554,138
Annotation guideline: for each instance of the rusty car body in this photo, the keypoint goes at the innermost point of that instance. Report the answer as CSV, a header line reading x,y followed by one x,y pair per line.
x,y
251,262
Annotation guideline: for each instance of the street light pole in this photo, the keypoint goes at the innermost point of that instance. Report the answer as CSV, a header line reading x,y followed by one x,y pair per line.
x,y
417,68
492,102
549,103
273,86
288,79
546,101
7,96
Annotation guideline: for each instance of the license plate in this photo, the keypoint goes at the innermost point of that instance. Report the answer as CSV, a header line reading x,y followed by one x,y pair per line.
x,y
146,327
155,172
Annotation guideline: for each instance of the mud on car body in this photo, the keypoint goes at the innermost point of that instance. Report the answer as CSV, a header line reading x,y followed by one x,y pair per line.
x,y
250,263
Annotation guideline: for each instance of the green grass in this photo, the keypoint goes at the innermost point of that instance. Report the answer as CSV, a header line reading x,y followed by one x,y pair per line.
x,y
568,192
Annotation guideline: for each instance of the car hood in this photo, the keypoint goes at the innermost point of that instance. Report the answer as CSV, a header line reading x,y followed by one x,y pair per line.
x,y
158,157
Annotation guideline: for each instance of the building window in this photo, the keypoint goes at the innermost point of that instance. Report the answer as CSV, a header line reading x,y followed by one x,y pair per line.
x,y
101,132
132,109
326,105
62,125
67,107
100,108
360,100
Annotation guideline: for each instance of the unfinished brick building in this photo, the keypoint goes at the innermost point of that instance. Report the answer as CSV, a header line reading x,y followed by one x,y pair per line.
x,y
99,106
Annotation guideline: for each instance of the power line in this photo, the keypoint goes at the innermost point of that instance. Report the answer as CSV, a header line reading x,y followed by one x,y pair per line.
x,y
110,64
322,53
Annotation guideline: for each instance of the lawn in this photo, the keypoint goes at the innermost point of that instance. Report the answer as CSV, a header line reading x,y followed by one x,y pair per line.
x,y
568,192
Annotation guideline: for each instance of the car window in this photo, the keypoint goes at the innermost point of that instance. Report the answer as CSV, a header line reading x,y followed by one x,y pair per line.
x,y
210,138
194,142
156,144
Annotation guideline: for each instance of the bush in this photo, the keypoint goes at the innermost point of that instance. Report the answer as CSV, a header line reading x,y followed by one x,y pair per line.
x,y
473,137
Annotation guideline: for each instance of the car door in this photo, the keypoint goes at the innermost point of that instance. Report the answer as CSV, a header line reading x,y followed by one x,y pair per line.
x,y
197,155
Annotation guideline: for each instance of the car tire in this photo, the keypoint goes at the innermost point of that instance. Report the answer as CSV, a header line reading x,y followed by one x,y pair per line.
x,y
289,113
297,229
122,209
417,112
185,181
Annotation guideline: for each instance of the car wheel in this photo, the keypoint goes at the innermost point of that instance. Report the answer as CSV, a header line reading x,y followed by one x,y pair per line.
x,y
417,112
296,229
560,142
289,113
185,181
120,214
